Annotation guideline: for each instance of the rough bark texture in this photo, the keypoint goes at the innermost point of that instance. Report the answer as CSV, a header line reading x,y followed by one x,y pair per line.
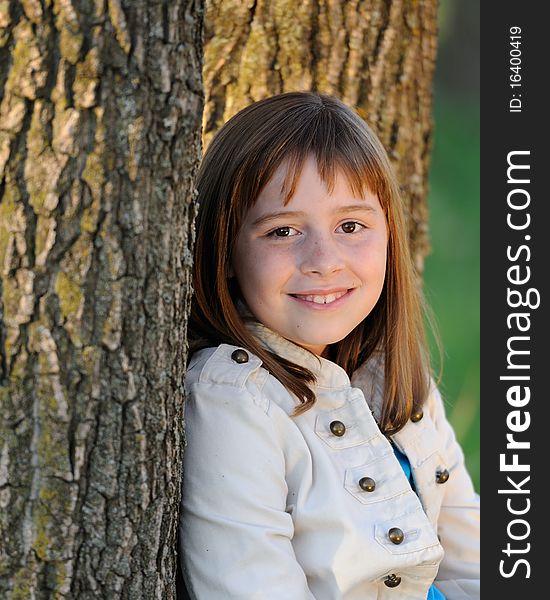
x,y
100,107
376,55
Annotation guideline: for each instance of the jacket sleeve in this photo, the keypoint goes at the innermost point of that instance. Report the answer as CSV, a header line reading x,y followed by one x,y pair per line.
x,y
235,534
458,523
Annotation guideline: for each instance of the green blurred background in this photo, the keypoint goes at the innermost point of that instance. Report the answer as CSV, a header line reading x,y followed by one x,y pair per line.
x,y
452,269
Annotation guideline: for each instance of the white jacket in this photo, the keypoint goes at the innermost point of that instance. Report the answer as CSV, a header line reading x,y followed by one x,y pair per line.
x,y
272,507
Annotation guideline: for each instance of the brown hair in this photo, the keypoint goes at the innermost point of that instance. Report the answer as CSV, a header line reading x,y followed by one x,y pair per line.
x,y
239,162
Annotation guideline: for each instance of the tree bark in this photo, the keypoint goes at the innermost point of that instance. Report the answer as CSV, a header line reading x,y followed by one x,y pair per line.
x,y
375,55
100,107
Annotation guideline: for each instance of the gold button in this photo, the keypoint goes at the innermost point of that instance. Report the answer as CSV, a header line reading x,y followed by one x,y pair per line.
x,y
417,416
337,428
367,484
392,580
240,356
396,535
442,476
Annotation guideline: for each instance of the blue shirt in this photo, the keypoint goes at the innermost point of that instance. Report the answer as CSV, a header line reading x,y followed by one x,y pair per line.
x,y
433,592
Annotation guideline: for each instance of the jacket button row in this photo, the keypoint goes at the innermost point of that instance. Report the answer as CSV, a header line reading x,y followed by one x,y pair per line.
x,y
417,416
367,484
392,580
239,356
442,476
337,428
396,535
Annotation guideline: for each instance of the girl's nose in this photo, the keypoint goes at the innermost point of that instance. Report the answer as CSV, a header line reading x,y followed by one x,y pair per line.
x,y
321,255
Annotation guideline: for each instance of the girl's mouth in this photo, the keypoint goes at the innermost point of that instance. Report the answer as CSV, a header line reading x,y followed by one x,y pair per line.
x,y
315,301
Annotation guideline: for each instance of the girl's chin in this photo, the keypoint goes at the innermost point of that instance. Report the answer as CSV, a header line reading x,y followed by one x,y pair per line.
x,y
321,348
318,350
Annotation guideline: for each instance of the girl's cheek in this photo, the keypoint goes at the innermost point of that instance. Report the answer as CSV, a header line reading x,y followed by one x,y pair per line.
x,y
279,261
279,250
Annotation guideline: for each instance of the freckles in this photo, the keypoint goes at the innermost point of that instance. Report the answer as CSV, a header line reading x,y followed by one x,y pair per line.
x,y
280,250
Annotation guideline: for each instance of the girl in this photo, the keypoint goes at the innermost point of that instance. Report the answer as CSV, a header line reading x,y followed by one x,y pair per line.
x,y
299,483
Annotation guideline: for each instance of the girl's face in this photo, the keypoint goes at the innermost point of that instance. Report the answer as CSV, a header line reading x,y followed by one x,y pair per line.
x,y
314,269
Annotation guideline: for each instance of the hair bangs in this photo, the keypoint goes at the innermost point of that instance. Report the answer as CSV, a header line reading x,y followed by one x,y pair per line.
x,y
338,149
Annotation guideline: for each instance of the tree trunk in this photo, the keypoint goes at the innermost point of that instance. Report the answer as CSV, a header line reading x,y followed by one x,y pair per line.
x,y
375,55
100,107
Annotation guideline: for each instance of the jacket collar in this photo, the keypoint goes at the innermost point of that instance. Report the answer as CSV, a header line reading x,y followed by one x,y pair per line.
x,y
369,377
327,373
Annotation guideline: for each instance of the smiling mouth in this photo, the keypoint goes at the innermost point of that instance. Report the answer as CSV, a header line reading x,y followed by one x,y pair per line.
x,y
328,299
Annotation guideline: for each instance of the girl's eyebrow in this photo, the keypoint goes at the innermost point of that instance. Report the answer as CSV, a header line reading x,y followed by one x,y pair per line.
x,y
299,213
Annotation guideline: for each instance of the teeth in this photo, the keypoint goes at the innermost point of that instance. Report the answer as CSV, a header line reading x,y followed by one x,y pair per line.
x,y
322,299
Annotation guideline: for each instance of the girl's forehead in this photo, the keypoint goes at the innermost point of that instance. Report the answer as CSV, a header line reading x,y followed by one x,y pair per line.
x,y
284,174
280,173
306,178
312,196
274,190
284,167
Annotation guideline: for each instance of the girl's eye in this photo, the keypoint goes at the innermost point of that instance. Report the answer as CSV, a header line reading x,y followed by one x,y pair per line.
x,y
281,232
352,226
